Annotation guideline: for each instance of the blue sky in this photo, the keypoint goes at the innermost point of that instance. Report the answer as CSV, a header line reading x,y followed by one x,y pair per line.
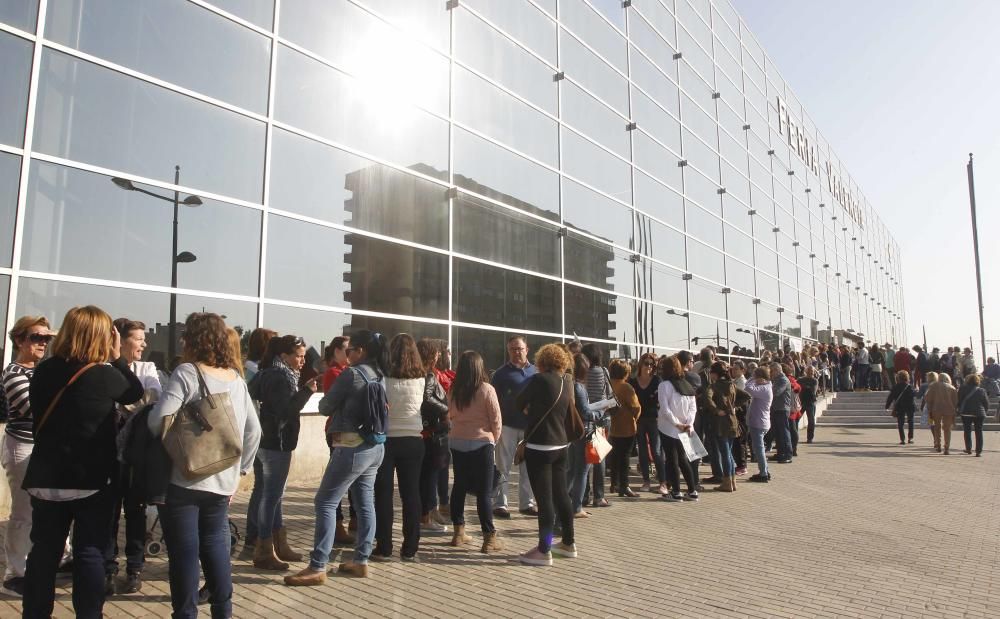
x,y
904,91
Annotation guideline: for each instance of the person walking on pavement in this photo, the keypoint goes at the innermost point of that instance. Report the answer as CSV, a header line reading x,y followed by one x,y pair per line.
x,y
900,401
972,406
508,381
941,400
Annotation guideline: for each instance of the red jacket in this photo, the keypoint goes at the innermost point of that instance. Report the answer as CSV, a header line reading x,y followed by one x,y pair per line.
x,y
331,375
902,361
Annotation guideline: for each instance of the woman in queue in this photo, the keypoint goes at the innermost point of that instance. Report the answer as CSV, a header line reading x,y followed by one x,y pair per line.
x,y
354,462
623,425
73,471
474,415
677,412
547,398
195,516
973,402
404,450
721,400
577,467
276,387
646,383
434,416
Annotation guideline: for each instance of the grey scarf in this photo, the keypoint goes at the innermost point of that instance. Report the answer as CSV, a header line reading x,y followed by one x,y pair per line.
x,y
290,374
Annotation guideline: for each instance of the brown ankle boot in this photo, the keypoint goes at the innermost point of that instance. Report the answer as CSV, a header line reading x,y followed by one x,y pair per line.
x,y
264,557
306,578
491,543
341,536
725,486
357,570
281,548
460,538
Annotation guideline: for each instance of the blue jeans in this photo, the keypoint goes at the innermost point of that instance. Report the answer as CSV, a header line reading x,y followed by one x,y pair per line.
x,y
863,375
757,446
649,441
196,525
253,506
354,468
577,470
711,442
779,428
724,456
274,465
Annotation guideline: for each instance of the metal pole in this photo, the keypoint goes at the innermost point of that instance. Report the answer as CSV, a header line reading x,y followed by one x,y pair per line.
x,y
172,325
925,337
975,246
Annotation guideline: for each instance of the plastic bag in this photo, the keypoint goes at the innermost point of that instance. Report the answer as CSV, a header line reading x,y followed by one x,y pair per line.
x,y
693,447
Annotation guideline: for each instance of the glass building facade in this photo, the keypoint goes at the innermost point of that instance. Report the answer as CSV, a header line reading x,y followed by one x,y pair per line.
x,y
634,173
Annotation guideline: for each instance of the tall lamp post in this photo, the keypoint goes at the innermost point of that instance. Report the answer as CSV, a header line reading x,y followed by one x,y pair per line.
x,y
175,258
975,247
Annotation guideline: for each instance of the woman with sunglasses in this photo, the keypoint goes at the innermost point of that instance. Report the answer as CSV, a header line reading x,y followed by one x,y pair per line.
x,y
30,337
646,385
276,387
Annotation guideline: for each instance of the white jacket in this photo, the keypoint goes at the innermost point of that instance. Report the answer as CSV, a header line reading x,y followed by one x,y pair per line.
x,y
405,397
674,409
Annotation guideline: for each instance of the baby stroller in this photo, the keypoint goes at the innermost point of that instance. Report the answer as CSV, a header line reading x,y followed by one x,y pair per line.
x,y
155,544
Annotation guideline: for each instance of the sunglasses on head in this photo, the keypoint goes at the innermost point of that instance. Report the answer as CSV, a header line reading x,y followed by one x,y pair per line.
x,y
40,338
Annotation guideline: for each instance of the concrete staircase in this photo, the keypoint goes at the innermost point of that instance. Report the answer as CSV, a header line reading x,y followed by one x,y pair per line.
x,y
867,409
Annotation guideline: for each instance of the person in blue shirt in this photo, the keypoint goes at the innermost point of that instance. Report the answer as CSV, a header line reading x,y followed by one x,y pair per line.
x,y
508,381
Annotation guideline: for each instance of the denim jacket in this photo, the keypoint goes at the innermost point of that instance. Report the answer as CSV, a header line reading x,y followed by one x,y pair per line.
x,y
345,402
592,419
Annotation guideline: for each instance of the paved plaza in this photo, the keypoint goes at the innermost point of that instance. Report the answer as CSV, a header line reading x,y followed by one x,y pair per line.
x,y
856,527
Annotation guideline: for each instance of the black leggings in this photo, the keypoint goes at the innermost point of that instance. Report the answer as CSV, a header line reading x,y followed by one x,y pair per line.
x,y
674,456
473,473
547,473
621,448
968,424
901,418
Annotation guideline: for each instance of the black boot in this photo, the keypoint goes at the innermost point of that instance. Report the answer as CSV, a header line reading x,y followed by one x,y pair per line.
x,y
133,582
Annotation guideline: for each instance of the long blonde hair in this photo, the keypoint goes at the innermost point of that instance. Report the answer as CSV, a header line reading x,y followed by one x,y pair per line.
x,y
85,335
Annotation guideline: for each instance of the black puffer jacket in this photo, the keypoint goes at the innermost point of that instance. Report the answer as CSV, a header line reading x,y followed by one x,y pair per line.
x,y
280,406
972,401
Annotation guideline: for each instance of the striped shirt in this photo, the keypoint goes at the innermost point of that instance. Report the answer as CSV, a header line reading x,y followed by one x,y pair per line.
x,y
15,392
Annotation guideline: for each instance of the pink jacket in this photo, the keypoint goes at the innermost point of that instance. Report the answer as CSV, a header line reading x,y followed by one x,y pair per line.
x,y
480,420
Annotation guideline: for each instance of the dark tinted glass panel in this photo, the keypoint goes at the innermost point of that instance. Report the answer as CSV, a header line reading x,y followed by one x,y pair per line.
x,y
493,296
588,25
596,264
395,66
596,167
428,18
92,114
21,14
594,214
492,345
504,235
53,299
494,112
358,114
320,181
257,12
599,314
10,175
319,327
179,42
70,212
597,76
313,264
522,21
15,71
497,173
494,55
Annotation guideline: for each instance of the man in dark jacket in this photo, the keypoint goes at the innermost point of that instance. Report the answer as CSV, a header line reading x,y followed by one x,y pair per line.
x,y
781,408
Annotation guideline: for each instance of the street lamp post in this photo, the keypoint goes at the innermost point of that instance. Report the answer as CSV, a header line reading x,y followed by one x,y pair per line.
x,y
175,258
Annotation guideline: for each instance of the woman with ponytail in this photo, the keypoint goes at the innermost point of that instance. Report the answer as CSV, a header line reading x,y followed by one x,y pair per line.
x,y
354,462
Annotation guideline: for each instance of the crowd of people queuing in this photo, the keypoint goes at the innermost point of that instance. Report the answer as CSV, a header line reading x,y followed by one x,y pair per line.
x,y
85,412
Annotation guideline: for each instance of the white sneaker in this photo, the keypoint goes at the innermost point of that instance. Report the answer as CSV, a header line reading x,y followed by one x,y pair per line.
x,y
439,518
536,557
564,550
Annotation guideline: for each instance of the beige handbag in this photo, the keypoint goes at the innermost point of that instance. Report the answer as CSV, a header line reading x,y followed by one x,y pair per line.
x,y
202,438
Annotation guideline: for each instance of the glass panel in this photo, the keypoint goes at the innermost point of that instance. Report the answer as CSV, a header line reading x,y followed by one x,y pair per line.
x,y
596,75
707,331
666,286
740,309
357,115
703,225
505,235
653,45
599,314
594,119
95,115
659,201
587,25
522,21
492,111
319,327
388,61
597,264
323,182
661,242
257,12
15,72
10,176
21,14
496,56
493,171
656,160
658,16
492,345
490,295
178,42
767,288
705,261
313,264
429,18
652,119
53,299
589,163
611,9
594,214
707,298
739,245
654,83
68,210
